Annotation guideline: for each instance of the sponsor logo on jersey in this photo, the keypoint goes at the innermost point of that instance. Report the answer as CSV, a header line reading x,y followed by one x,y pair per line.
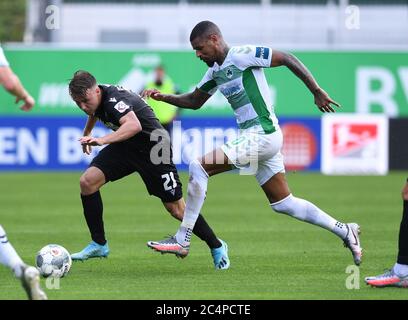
x,y
121,106
262,52
228,92
112,99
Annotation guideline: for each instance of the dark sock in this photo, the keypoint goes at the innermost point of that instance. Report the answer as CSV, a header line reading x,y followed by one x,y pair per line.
x,y
205,233
93,210
403,237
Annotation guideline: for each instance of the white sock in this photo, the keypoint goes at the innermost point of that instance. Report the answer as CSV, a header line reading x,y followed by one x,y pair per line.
x,y
401,270
306,211
196,192
9,256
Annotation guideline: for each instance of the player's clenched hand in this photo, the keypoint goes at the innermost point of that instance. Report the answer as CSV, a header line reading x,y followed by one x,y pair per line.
x,y
90,141
152,93
28,103
323,101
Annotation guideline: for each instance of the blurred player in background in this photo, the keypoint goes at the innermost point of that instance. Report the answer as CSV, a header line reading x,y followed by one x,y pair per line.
x,y
129,150
237,73
29,275
397,276
165,112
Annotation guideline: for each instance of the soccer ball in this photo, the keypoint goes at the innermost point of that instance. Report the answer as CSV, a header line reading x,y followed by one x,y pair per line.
x,y
53,260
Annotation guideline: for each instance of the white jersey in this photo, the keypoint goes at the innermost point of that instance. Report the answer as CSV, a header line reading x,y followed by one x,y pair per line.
x,y
3,60
242,81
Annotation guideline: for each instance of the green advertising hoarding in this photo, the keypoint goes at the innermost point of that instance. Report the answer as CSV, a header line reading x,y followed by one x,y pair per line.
x,y
363,82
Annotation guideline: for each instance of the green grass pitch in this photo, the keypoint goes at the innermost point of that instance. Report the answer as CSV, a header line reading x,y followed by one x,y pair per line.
x,y
272,256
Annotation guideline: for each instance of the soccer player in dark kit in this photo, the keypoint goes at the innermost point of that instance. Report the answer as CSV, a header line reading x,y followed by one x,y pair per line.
x,y
131,147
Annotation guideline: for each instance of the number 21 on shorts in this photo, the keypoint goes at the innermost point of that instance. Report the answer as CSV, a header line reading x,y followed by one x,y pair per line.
x,y
169,181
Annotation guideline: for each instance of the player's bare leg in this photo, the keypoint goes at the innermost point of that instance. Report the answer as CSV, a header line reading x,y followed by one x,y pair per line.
x,y
91,181
282,201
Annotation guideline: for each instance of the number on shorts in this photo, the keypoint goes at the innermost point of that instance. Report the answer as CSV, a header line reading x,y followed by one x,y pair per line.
x,y
169,179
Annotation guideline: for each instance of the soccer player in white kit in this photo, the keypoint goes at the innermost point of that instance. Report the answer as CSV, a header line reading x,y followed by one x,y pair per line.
x,y
238,73
29,276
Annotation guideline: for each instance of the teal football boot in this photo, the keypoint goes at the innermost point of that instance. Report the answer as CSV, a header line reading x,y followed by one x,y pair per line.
x,y
92,250
220,256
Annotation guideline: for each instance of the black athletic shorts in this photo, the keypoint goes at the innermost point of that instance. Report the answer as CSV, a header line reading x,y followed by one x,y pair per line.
x,y
118,160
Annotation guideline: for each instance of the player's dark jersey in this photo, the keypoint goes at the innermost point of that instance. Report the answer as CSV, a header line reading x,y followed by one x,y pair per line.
x,y
120,159
117,102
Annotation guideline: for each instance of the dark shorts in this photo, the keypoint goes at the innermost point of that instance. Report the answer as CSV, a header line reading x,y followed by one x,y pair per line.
x,y
118,160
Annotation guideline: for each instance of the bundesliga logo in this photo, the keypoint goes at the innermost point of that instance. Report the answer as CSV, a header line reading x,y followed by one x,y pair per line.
x,y
121,106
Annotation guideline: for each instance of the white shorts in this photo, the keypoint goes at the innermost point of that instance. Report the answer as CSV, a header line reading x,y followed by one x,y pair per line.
x,y
3,60
256,154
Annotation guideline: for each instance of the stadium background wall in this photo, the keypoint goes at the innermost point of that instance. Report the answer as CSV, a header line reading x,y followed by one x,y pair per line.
x,y
45,139
364,82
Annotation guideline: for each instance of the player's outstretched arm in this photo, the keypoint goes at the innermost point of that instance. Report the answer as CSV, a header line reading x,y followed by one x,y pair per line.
x,y
12,84
322,99
193,100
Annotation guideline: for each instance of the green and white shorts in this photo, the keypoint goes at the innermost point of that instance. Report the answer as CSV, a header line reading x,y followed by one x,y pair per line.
x,y
256,154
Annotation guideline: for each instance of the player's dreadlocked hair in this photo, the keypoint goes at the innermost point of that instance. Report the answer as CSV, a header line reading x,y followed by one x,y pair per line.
x,y
204,29
80,83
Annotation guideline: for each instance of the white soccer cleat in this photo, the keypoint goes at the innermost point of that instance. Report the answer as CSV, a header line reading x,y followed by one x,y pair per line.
x,y
30,279
387,279
352,241
169,245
